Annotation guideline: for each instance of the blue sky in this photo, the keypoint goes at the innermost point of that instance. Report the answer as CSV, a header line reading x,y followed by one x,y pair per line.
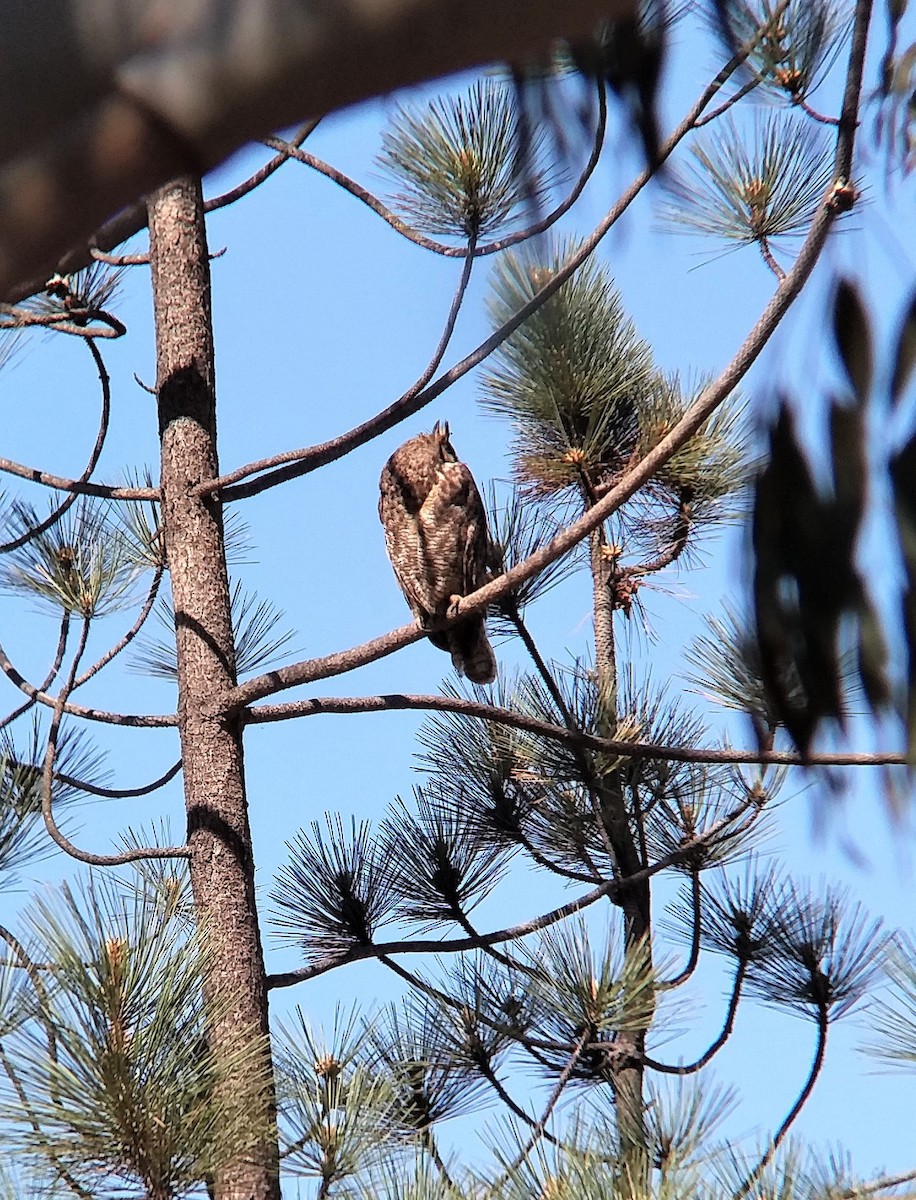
x,y
323,315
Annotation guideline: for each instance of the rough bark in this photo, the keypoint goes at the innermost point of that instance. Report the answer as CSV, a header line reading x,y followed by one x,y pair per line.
x,y
219,836
635,900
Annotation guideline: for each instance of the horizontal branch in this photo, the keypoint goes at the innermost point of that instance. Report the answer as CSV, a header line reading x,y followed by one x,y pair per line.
x,y
399,702
135,720
119,793
80,487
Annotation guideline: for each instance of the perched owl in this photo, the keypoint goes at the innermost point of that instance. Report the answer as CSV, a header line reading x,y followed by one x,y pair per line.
x,y
436,533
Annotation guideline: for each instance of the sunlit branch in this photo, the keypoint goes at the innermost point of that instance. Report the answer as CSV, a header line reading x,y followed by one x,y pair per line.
x,y
696,906
73,322
697,413
767,256
416,387
134,720
253,181
80,488
118,260
49,678
131,633
301,462
823,1025
716,1046
398,702
47,787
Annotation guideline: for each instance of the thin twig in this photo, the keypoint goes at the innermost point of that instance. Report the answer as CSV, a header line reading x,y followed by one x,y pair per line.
x,y
49,678
803,1096
696,903
253,181
716,1046
131,633
100,436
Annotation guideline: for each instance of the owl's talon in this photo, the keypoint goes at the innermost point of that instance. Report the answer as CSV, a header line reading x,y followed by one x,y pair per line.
x,y
453,602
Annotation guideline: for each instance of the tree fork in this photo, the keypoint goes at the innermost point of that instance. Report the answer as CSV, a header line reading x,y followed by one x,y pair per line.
x,y
219,835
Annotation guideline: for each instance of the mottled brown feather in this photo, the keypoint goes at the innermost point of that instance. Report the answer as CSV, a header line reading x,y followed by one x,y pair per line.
x,y
436,534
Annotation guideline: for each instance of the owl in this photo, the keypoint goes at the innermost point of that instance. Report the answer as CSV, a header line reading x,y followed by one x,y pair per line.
x,y
436,534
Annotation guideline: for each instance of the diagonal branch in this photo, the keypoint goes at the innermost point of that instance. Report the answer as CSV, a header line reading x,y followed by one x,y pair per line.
x,y
302,462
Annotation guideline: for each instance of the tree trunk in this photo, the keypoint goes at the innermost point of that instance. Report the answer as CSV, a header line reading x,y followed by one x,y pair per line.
x,y
635,900
219,836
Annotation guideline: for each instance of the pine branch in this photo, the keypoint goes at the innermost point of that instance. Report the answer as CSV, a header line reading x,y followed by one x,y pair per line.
x,y
49,678
47,785
128,637
302,462
266,714
716,1046
816,1065
134,720
283,155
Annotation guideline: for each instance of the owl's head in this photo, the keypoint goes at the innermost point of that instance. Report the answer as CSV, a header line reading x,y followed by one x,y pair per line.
x,y
440,436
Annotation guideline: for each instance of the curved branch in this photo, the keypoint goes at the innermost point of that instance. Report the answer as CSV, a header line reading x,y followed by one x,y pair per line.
x,y
426,243
131,633
120,793
302,462
73,322
134,720
400,702
104,418
446,946
253,181
405,400
49,678
696,900
727,1028
822,1026
695,416
47,788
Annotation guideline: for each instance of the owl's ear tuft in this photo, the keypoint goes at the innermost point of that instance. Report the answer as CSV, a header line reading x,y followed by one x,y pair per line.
x,y
440,431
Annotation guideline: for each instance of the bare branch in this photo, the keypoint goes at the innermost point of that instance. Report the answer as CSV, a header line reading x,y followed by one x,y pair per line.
x,y
716,1046
253,181
398,702
134,720
128,637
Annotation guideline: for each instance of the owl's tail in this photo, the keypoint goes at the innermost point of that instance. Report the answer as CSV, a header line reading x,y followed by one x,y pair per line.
x,y
472,654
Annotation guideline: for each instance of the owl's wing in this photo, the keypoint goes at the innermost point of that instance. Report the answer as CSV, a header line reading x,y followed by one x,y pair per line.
x,y
476,539
401,542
